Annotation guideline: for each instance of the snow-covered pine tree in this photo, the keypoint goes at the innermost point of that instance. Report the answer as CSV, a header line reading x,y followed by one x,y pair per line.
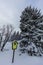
x,y
31,30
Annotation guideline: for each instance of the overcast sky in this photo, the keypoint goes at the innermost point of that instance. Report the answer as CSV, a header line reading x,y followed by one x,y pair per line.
x,y
10,10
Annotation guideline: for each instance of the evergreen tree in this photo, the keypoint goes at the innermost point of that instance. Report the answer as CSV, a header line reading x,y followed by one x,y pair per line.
x,y
16,36
31,30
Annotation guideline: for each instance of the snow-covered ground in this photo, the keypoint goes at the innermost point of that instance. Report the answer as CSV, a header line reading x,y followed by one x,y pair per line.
x,y
24,59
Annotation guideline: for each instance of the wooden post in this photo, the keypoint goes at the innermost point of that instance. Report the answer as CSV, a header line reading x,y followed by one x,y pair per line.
x,y
13,56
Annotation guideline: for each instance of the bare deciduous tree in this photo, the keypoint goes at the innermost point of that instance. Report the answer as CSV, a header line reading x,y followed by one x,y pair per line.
x,y
7,33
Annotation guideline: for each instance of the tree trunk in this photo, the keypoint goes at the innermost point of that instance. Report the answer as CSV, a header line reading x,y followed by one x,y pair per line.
x,y
5,41
0,44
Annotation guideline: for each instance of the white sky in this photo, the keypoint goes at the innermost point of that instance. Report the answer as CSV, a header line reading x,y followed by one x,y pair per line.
x,y
10,10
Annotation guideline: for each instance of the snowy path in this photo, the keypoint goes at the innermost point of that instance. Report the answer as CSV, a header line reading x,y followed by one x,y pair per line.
x,y
6,58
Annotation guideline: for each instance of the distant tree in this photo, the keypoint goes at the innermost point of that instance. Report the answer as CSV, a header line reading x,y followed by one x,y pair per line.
x,y
0,39
7,34
31,28
16,36
2,30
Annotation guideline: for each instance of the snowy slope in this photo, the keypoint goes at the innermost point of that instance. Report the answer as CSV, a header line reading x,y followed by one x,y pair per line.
x,y
24,59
